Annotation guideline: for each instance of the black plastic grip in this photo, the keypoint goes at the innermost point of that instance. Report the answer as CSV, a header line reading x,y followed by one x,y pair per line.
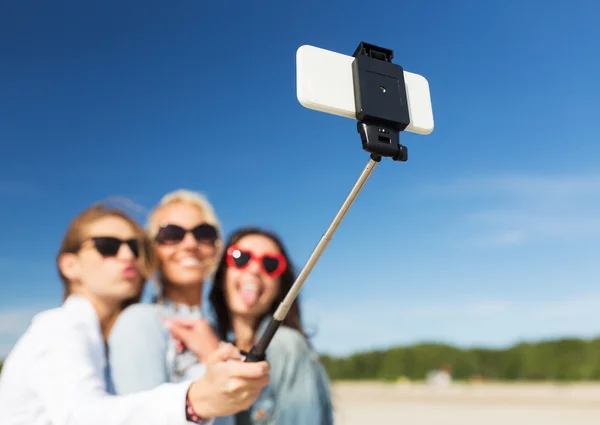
x,y
258,352
253,357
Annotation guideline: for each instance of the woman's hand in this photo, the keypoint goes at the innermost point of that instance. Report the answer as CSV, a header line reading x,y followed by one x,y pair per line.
x,y
194,334
229,385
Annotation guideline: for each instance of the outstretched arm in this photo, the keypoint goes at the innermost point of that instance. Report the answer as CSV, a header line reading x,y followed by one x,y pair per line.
x,y
66,377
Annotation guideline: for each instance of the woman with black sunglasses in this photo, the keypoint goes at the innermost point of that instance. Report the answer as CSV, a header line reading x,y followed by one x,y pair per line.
x,y
145,348
250,282
57,372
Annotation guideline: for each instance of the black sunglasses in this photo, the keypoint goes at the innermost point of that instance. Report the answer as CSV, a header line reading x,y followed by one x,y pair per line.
x,y
108,246
171,234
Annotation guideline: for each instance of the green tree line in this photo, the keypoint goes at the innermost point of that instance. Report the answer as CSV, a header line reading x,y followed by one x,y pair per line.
x,y
568,359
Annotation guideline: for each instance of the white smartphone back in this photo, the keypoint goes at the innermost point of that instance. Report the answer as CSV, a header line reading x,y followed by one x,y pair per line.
x,y
324,83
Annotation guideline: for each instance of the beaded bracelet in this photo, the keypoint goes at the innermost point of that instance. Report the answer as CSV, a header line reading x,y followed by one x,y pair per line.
x,y
191,414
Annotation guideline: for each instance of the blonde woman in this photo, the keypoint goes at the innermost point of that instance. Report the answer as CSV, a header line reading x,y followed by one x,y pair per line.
x,y
56,373
142,350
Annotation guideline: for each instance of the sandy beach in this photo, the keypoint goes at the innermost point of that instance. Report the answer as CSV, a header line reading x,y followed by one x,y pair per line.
x,y
466,404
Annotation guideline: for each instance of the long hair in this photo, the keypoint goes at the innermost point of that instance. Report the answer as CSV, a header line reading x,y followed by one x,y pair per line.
x,y
217,293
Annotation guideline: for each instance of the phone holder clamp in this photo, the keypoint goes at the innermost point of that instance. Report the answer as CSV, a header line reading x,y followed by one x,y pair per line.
x,y
380,101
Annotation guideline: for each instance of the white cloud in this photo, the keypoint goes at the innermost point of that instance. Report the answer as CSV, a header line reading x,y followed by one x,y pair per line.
x,y
343,329
486,212
521,185
507,238
516,209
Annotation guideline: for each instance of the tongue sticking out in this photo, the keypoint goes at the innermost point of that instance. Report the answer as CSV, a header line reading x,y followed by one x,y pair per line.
x,y
249,295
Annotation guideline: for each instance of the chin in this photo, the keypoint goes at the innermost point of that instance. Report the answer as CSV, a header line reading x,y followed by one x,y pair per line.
x,y
254,311
118,298
188,281
240,309
129,289
188,278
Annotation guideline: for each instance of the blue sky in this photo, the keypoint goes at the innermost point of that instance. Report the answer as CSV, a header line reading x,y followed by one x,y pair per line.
x,y
489,234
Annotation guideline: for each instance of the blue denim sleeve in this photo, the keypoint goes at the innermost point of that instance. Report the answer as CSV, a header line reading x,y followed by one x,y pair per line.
x,y
137,347
300,384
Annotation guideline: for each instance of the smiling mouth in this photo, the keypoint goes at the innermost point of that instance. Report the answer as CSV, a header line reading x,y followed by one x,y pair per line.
x,y
249,293
189,262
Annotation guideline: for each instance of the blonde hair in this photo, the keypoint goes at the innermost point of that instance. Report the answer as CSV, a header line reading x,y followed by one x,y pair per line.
x,y
195,199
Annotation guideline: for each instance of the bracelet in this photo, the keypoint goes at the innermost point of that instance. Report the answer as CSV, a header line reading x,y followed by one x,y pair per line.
x,y
191,414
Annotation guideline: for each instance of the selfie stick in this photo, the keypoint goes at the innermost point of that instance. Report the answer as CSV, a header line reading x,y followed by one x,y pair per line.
x,y
382,113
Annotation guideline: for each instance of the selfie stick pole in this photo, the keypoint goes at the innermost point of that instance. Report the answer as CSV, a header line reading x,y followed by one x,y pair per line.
x,y
258,351
382,112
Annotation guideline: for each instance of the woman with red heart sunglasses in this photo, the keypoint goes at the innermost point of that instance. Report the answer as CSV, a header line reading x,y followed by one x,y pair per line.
x,y
250,282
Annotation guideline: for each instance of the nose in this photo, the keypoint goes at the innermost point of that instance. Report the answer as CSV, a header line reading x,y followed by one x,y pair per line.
x,y
189,241
254,267
125,253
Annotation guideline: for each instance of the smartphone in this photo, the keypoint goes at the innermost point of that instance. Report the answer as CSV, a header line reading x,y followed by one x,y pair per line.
x,y
324,83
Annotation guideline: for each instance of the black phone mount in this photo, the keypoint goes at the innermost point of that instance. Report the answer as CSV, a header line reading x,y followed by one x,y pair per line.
x,y
380,101
382,113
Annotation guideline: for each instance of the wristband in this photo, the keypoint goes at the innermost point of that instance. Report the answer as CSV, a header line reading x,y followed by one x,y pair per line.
x,y
190,413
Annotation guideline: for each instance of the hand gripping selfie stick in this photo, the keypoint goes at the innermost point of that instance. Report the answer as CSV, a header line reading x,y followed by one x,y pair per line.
x,y
382,112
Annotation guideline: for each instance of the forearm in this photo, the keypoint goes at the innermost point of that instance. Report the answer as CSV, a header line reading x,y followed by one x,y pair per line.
x,y
162,405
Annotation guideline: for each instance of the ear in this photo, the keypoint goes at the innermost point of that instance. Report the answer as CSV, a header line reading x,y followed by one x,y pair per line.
x,y
69,266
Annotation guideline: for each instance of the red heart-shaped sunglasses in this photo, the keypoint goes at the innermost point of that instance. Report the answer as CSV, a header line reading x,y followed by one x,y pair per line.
x,y
273,264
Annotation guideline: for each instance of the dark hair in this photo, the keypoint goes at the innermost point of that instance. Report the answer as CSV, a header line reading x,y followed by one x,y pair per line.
x,y
217,294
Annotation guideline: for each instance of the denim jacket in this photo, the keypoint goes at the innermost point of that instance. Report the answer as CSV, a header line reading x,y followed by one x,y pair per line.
x,y
299,390
142,353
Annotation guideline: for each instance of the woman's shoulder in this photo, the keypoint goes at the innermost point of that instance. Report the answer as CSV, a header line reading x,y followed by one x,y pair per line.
x,y
291,342
63,328
47,326
75,317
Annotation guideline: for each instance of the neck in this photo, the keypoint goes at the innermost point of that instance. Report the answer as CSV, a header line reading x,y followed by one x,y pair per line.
x,y
107,314
107,322
188,295
243,328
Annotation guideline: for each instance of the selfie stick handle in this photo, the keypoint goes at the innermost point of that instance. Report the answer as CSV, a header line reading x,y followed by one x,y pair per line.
x,y
257,353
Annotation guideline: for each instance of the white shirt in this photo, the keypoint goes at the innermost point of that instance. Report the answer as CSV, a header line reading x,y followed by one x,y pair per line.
x,y
55,376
